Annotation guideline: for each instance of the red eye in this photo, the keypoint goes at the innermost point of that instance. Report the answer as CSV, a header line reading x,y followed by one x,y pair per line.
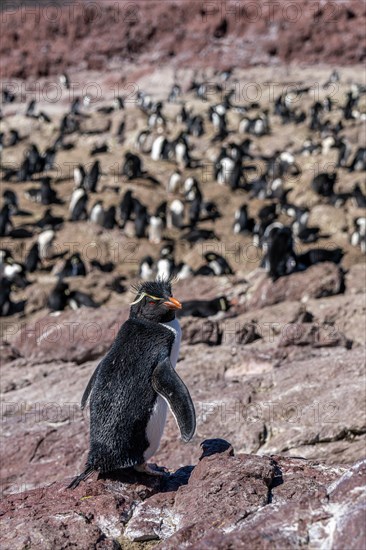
x,y
152,303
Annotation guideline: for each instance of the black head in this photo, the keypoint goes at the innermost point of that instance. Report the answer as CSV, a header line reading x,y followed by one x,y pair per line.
x,y
223,303
5,256
61,288
211,256
154,302
10,197
76,258
167,250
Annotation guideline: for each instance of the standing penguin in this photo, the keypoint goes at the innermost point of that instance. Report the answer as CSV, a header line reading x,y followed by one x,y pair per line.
x,y
174,182
45,244
175,214
155,229
109,221
5,221
97,213
133,385
146,269
92,177
77,207
79,176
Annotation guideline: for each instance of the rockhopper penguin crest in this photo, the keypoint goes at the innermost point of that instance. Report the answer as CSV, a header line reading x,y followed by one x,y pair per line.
x,y
134,384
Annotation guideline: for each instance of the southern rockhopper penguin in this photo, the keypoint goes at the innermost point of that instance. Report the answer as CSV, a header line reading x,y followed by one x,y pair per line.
x,y
134,384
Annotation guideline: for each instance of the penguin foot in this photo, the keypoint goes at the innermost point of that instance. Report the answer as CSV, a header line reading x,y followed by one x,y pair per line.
x,y
82,477
147,469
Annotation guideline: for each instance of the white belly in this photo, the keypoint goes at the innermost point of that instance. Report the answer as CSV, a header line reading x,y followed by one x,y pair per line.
x,y
156,424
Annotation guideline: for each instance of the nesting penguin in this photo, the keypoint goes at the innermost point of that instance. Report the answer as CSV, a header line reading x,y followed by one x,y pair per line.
x,y
133,385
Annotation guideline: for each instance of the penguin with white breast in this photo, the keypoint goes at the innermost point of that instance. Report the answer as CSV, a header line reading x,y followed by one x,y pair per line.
x,y
45,244
77,208
174,182
165,265
242,222
79,176
12,270
155,229
192,189
97,213
133,385
358,237
158,147
225,170
175,214
146,269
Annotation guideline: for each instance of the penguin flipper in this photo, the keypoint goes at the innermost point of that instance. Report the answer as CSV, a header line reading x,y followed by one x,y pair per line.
x,y
89,387
169,385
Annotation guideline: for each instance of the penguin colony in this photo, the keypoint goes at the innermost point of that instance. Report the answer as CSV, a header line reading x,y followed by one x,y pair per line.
x,y
171,218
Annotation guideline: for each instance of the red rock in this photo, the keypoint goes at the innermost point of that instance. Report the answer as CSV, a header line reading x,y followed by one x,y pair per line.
x,y
325,279
77,336
40,40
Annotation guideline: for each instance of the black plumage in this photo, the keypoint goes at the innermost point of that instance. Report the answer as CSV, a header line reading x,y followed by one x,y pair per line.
x,y
125,386
74,267
92,177
318,255
5,220
109,221
132,166
281,256
79,212
323,184
126,207
58,298
33,259
204,308
49,221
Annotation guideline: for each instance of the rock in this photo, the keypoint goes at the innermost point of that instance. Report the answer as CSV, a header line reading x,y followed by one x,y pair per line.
x,y
312,334
215,446
91,516
301,512
127,32
342,314
325,279
78,336
201,331
355,279
224,501
259,402
328,218
347,502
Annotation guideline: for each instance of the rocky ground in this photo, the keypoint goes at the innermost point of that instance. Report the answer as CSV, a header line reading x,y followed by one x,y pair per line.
x,y
287,393
234,501
278,382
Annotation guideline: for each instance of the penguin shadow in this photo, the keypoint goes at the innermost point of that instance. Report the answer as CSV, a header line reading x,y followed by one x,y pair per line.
x,y
168,481
20,233
277,480
24,213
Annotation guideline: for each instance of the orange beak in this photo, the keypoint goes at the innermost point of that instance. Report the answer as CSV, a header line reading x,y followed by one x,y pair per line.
x,y
172,303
